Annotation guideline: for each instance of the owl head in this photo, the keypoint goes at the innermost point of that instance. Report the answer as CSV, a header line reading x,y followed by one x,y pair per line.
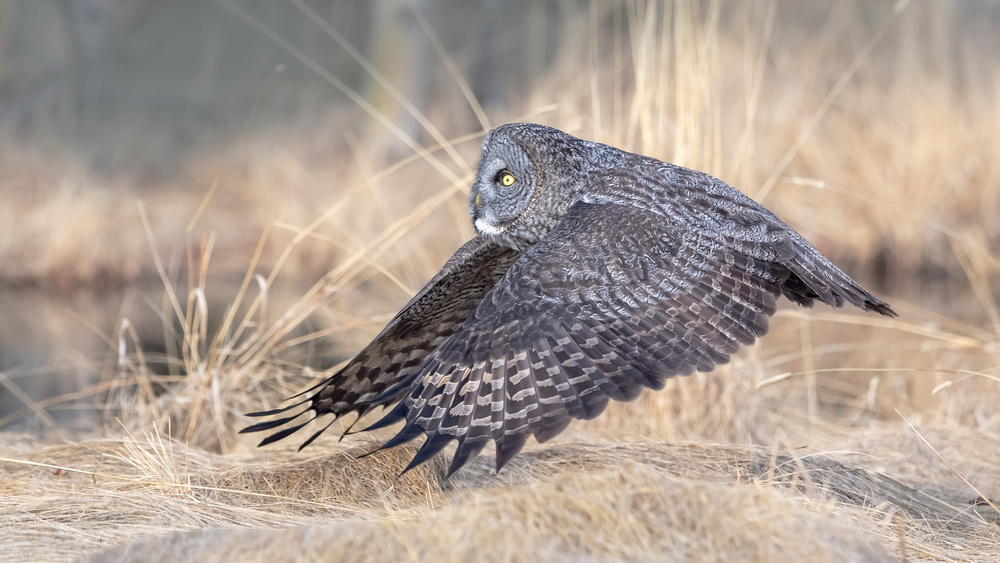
x,y
529,175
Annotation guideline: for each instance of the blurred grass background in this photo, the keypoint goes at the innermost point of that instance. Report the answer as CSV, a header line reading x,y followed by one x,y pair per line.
x,y
206,204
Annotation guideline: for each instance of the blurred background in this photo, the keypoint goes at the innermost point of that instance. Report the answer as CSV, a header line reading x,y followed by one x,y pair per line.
x,y
200,202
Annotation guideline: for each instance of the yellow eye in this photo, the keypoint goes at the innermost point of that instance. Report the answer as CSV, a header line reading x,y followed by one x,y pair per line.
x,y
507,179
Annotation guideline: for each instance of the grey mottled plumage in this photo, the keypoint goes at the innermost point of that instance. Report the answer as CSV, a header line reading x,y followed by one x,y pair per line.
x,y
595,273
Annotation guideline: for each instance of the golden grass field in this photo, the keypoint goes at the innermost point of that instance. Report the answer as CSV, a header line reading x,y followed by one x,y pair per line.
x,y
871,128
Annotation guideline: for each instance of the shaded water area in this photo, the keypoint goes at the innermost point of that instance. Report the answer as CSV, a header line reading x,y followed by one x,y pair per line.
x,y
50,344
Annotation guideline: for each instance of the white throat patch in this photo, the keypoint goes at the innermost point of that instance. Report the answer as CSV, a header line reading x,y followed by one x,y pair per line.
x,y
485,228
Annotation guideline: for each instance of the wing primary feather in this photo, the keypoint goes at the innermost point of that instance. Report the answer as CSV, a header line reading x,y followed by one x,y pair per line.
x,y
621,374
361,413
570,399
397,413
466,398
393,391
322,383
507,447
466,449
738,328
283,434
553,416
830,284
318,432
498,416
409,432
552,427
260,426
586,369
282,409
686,350
435,443
521,408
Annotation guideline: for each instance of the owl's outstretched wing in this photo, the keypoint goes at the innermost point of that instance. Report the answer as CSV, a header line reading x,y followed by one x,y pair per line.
x,y
395,354
615,299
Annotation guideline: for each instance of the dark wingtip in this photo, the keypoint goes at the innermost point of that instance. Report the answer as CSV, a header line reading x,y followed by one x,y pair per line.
x,y
551,427
392,392
393,416
283,434
277,411
508,448
405,435
260,426
409,432
434,444
465,451
881,308
318,432
322,383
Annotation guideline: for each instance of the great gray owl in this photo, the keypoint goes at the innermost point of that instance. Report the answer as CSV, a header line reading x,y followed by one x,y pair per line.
x,y
595,273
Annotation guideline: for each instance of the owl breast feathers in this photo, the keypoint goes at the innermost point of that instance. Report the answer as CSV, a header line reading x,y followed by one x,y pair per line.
x,y
596,273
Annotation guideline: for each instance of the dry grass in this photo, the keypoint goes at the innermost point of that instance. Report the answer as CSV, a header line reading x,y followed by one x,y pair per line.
x,y
839,437
573,499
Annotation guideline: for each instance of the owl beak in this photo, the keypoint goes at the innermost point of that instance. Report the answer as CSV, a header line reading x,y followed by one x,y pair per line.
x,y
479,200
